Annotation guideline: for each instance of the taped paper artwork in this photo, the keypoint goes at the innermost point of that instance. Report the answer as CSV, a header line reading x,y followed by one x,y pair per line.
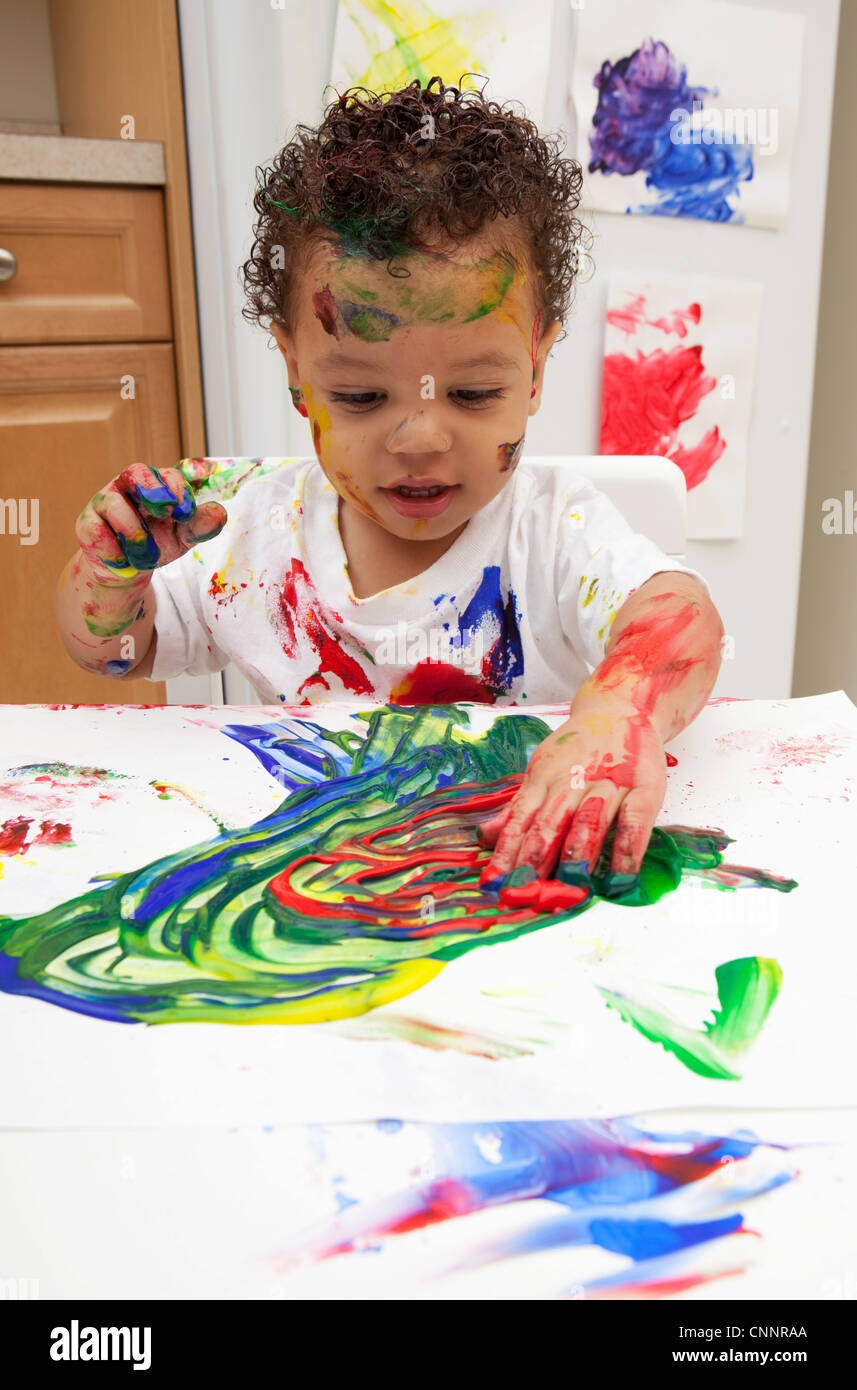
x,y
679,371
385,46
676,115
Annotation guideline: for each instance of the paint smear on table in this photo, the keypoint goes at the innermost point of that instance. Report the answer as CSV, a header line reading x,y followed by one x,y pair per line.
x,y
658,1199
357,890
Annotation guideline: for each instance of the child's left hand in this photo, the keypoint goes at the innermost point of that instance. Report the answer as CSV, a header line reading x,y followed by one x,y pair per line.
x,y
607,761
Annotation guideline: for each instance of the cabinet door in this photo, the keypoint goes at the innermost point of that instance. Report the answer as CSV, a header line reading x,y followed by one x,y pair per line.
x,y
71,418
92,264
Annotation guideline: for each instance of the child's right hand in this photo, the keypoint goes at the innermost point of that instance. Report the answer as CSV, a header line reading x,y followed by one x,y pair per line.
x,y
144,518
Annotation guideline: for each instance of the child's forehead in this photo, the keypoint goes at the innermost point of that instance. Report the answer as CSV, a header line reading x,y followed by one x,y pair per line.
x,y
433,283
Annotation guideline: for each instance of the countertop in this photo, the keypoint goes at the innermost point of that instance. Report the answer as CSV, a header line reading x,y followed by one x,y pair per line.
x,y
68,159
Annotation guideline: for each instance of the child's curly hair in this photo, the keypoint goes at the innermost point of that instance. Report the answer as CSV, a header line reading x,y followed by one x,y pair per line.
x,y
384,171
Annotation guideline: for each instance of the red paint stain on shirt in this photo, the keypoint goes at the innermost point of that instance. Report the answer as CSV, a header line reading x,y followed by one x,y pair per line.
x,y
301,612
439,683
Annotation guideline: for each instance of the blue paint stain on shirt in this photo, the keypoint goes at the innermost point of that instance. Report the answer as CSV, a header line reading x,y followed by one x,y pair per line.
x,y
505,661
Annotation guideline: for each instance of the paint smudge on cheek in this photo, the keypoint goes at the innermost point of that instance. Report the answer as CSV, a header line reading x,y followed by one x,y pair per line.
x,y
354,495
319,419
508,455
297,401
324,308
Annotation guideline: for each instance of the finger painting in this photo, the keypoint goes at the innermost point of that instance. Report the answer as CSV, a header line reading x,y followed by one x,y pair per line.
x,y
676,1204
320,879
385,46
589,1208
679,369
676,117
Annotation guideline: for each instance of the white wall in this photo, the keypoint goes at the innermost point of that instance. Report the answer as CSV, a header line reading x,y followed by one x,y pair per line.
x,y
252,71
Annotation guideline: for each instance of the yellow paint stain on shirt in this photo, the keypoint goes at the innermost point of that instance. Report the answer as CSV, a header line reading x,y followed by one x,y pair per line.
x,y
591,594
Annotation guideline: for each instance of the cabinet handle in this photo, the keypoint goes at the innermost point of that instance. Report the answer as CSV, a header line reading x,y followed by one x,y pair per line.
x,y
8,264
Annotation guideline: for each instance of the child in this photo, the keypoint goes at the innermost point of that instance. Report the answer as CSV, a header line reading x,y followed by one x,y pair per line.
x,y
415,257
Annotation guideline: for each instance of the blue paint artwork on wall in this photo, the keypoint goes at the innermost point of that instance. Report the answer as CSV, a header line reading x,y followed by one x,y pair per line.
x,y
642,124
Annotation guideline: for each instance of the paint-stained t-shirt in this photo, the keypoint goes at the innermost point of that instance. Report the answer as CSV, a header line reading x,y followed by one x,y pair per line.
x,y
517,611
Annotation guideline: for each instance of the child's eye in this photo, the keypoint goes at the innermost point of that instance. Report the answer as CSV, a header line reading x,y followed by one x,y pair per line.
x,y
474,400
359,400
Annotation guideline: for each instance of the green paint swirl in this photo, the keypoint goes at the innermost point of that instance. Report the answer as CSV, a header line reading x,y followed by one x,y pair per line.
x,y
355,891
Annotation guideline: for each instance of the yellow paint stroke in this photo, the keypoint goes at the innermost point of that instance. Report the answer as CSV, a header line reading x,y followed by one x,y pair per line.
x,y
424,44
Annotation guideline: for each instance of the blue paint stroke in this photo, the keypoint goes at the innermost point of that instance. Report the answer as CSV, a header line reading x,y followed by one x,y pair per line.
x,y
632,134
632,1191
504,663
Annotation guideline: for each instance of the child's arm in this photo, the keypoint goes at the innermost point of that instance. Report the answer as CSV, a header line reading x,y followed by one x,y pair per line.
x,y
663,654
141,520
607,760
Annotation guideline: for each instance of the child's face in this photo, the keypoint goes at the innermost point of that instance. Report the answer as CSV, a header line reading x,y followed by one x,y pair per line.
x,y
416,380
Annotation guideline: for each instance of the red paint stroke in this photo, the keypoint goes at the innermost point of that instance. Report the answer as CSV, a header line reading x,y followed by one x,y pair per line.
x,y
628,320
366,859
440,683
13,835
697,462
324,306
300,612
677,321
53,833
662,1288
645,400
671,761
647,659
223,591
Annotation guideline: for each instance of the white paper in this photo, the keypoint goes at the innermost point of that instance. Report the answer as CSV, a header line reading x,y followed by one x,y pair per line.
x,y
779,777
748,62
254,1209
384,47
679,372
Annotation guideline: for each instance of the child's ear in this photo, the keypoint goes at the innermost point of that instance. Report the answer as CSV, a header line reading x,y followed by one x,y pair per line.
x,y
546,342
286,343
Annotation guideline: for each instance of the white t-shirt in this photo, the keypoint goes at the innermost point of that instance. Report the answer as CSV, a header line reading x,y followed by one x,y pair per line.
x,y
517,611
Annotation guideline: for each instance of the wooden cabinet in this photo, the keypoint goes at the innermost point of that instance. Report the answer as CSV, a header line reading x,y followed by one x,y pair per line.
x,y
87,387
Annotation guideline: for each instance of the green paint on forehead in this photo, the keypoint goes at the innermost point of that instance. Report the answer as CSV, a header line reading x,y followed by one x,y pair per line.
x,y
435,289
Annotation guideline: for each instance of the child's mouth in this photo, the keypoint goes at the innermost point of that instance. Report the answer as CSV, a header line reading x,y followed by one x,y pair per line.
x,y
427,500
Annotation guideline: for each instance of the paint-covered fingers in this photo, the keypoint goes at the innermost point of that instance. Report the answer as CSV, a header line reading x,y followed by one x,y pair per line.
x,y
142,519
488,831
193,522
518,815
541,844
634,823
114,539
585,837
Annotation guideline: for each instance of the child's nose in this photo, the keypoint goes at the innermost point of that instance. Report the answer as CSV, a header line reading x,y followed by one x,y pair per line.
x,y
421,432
